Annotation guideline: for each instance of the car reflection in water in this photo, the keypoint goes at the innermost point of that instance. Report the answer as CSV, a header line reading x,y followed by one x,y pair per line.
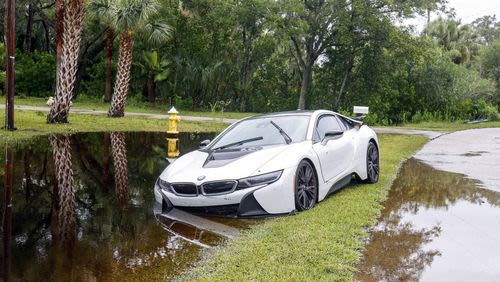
x,y
203,231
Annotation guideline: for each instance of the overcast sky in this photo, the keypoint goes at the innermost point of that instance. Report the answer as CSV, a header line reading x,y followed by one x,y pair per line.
x,y
467,11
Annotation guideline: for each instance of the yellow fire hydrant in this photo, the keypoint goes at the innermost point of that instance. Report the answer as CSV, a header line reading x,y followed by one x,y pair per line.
x,y
173,121
173,148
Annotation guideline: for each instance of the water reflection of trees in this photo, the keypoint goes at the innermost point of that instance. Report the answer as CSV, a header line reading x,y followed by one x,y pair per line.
x,y
120,163
109,243
396,250
63,207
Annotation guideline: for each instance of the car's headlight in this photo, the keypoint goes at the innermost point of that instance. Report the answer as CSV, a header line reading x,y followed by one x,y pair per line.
x,y
164,185
259,179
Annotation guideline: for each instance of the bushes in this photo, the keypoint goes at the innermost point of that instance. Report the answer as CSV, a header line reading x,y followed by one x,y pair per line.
x,y
35,74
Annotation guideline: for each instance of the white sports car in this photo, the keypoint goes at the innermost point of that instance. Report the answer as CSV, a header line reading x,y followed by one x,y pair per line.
x,y
272,164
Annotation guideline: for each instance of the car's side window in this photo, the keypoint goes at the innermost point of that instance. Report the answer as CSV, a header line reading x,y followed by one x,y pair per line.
x,y
342,125
327,123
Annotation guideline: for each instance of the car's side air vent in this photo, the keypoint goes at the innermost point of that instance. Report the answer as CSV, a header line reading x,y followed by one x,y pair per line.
x,y
218,188
185,189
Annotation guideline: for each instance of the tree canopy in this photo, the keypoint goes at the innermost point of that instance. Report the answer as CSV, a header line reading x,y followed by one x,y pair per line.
x,y
265,55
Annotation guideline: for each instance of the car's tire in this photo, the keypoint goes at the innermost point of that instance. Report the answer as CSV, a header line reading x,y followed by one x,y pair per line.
x,y
372,163
306,186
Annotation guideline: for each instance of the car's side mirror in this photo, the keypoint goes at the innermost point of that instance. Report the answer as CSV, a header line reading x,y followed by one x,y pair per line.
x,y
334,134
204,143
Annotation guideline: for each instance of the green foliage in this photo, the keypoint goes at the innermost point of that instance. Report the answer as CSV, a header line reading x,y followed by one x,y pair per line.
x,y
192,54
94,83
35,74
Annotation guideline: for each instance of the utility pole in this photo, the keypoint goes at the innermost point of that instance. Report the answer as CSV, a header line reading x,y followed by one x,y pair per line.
x,y
10,15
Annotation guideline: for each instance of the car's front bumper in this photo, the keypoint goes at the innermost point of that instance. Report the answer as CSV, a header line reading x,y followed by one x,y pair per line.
x,y
271,199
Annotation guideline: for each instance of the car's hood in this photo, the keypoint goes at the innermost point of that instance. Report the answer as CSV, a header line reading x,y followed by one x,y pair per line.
x,y
193,165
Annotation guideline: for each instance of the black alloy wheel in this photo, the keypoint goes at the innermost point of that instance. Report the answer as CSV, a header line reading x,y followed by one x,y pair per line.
x,y
372,163
306,186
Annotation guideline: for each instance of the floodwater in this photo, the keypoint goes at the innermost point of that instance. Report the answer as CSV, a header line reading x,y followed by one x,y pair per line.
x,y
102,223
435,226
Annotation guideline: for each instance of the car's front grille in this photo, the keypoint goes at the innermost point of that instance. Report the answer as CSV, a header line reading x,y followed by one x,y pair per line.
x,y
185,189
219,187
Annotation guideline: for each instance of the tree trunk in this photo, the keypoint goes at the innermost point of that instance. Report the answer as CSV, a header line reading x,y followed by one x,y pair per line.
x,y
306,84
7,215
29,29
109,56
346,80
122,76
145,88
119,151
105,160
152,89
61,153
47,36
73,18
59,29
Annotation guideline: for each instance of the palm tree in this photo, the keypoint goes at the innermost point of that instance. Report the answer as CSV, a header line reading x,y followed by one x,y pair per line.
x,y
129,17
66,73
459,41
66,206
119,151
155,69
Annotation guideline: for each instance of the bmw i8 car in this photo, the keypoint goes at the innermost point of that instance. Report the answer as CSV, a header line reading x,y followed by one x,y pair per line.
x,y
272,164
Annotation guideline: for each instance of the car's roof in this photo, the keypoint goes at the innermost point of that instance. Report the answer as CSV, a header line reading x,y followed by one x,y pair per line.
x,y
288,113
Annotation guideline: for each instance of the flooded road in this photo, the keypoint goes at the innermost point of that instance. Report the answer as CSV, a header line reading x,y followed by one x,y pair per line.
x,y
81,208
435,226
474,153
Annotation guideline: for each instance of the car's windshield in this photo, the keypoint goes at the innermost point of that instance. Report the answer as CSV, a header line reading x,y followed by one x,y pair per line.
x,y
293,126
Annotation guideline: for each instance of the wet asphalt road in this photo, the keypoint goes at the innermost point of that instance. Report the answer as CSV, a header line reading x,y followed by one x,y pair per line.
x,y
441,220
474,153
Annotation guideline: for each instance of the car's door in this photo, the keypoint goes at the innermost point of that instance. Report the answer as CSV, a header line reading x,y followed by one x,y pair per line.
x,y
334,152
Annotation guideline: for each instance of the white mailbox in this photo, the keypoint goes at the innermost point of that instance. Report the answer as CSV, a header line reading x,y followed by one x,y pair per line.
x,y
360,110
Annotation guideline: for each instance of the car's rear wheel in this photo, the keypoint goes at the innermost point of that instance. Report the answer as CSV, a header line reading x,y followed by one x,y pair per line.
x,y
372,163
306,186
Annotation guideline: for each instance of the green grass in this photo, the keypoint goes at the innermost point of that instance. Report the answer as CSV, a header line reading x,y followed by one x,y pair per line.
x,y
33,123
447,126
324,243
131,107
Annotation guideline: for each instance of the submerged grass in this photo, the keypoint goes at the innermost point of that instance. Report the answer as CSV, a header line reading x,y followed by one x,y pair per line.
x,y
324,243
33,123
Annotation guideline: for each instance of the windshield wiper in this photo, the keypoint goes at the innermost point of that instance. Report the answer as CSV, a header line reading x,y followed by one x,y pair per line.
x,y
287,138
239,143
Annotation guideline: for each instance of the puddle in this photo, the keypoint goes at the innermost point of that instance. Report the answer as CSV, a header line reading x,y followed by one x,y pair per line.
x,y
101,224
435,226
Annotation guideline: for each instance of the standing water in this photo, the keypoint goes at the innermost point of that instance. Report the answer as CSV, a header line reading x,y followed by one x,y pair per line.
x,y
82,208
435,226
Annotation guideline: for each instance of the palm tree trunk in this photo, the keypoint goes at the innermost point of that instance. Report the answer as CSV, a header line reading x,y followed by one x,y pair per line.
x,y
122,76
109,57
64,180
119,151
59,35
73,18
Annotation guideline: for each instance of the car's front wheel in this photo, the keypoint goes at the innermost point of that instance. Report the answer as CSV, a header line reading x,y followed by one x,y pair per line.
x,y
372,163
306,186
